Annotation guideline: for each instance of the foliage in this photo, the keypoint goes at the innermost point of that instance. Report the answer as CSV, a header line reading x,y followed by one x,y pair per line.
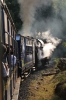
x,y
55,97
14,8
64,44
59,5
41,99
56,60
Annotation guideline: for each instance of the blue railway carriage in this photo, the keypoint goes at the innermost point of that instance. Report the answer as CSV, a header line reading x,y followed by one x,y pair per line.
x,y
29,52
26,52
7,35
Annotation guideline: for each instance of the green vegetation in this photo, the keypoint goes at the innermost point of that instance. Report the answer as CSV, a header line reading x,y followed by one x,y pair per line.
x,y
41,99
64,44
55,97
56,60
52,87
59,5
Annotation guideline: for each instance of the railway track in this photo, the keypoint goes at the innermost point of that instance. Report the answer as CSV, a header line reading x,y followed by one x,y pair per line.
x,y
31,86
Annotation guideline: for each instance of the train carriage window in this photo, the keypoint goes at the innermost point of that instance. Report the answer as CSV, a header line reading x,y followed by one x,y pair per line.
x,y
10,32
26,41
17,37
29,41
22,40
5,21
6,38
6,28
9,27
2,24
10,40
14,34
27,49
7,24
30,49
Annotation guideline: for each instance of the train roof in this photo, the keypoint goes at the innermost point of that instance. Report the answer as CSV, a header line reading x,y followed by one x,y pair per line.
x,y
28,37
3,4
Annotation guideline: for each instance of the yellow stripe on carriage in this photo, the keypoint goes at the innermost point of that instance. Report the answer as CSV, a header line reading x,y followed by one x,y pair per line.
x,y
28,63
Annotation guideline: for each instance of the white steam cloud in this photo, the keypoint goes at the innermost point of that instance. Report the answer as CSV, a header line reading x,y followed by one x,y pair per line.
x,y
27,13
48,47
49,28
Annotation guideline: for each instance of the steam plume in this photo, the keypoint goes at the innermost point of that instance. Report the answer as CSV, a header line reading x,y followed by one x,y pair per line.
x,y
34,23
28,8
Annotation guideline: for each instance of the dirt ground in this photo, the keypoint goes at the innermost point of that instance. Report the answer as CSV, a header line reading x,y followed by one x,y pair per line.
x,y
39,86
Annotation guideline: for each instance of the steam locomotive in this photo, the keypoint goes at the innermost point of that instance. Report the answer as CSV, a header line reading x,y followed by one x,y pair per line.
x,y
25,49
